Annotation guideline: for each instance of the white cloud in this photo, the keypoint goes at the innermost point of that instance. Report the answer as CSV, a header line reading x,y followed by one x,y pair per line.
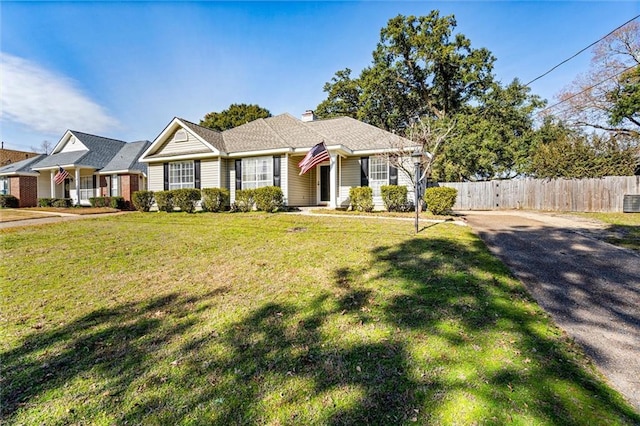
x,y
46,102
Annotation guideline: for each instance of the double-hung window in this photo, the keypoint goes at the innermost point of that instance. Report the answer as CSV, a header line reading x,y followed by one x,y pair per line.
x,y
115,185
86,187
257,172
378,174
181,175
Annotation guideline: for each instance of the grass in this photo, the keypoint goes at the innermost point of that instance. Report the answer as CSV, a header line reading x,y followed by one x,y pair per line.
x,y
219,319
10,215
623,229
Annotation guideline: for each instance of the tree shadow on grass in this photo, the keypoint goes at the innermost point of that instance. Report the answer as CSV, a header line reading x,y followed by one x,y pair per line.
x,y
403,339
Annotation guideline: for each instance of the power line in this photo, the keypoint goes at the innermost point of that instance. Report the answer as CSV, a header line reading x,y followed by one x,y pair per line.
x,y
587,89
589,46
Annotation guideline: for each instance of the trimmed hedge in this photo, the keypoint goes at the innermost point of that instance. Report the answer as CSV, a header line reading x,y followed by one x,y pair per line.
x,y
142,200
214,199
394,198
62,202
164,200
269,198
113,202
245,200
45,202
186,199
9,201
440,199
361,198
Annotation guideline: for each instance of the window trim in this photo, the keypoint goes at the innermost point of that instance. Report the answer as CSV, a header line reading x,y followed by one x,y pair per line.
x,y
180,174
252,163
378,166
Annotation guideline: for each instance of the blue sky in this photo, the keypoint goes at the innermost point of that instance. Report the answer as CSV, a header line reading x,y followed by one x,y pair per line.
x,y
125,69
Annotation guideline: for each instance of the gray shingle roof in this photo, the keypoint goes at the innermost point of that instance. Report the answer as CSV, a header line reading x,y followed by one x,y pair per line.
x,y
100,151
23,166
285,131
355,134
213,137
127,158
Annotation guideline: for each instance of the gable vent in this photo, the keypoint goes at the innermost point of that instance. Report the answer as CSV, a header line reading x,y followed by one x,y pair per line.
x,y
180,136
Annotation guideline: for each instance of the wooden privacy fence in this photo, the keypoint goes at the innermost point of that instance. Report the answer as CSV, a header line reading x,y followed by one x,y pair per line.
x,y
574,195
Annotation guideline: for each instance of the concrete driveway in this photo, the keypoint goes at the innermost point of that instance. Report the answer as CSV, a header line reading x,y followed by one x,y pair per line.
x,y
590,288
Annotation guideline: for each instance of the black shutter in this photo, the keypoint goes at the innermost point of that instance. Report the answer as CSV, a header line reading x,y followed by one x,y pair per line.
x,y
94,183
238,175
276,170
364,171
166,176
196,173
393,175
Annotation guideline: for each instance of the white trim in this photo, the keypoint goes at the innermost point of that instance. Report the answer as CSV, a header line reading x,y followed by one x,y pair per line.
x,y
260,153
65,166
121,172
179,157
11,174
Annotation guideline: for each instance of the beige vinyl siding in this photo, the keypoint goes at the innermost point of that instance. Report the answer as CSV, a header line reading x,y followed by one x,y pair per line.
x,y
224,173
73,144
232,180
209,174
301,190
284,177
156,177
44,184
404,180
350,177
191,145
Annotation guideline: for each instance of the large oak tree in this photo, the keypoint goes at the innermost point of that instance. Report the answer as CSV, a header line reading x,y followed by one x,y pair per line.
x,y
235,115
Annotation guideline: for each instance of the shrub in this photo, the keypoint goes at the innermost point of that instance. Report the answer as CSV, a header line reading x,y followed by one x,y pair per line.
x,y
394,198
142,200
117,203
164,199
269,198
9,201
440,199
186,199
62,202
214,199
361,198
99,201
245,200
45,202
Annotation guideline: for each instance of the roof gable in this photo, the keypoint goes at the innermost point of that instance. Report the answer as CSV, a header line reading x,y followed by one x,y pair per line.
x,y
181,138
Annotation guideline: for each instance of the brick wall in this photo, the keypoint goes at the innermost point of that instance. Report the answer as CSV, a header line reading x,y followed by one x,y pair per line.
x,y
25,189
129,185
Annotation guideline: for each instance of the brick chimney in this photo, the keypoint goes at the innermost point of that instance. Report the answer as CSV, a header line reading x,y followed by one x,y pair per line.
x,y
308,115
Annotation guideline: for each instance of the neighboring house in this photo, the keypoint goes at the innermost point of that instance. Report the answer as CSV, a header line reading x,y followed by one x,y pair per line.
x,y
97,166
267,151
19,180
8,156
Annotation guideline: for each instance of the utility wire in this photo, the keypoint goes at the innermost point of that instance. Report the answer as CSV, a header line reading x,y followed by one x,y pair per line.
x,y
587,89
592,44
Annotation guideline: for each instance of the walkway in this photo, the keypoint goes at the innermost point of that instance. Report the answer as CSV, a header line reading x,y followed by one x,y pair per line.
x,y
590,288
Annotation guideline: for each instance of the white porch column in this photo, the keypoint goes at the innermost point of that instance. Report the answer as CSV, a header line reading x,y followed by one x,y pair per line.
x,y
77,186
333,180
53,185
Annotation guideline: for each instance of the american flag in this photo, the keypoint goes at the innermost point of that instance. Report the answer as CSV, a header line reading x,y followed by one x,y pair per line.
x,y
60,176
316,155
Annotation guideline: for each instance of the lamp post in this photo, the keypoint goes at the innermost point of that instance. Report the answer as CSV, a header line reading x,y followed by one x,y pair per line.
x,y
417,159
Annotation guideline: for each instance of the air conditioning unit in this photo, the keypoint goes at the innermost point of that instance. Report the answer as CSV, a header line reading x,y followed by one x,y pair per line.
x,y
631,204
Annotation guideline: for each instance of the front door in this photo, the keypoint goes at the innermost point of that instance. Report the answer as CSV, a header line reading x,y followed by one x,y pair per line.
x,y
325,187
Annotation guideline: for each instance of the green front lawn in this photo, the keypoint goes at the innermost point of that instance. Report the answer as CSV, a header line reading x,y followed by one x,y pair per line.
x,y
623,228
279,319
